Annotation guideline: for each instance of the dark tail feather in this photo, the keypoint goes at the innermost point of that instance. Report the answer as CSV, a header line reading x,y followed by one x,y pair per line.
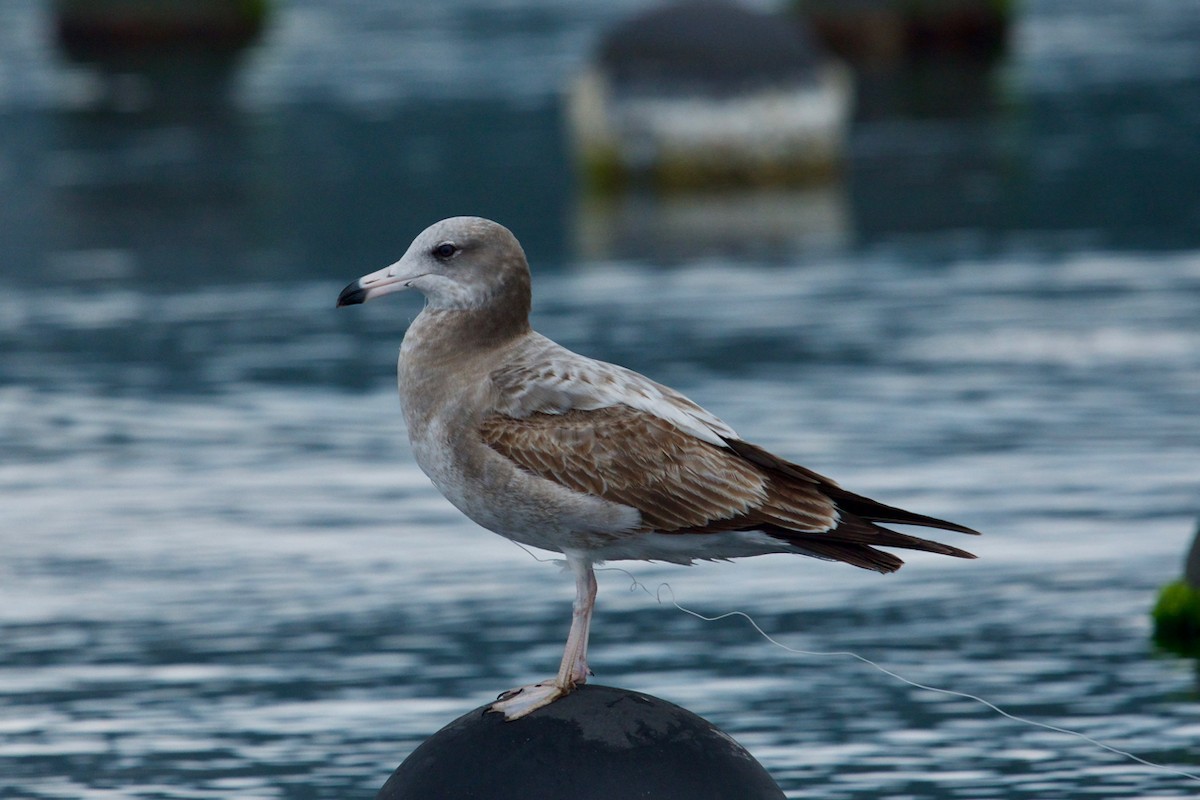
x,y
854,541
854,554
850,502
874,511
857,535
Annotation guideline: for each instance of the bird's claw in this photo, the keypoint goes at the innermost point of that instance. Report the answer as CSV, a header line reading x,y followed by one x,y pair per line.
x,y
517,703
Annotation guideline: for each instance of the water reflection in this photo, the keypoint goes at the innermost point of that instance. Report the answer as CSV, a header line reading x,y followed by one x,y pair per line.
x,y
222,573
257,585
680,226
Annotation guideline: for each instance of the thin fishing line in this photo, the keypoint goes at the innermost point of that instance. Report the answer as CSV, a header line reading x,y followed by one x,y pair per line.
x,y
635,584
658,597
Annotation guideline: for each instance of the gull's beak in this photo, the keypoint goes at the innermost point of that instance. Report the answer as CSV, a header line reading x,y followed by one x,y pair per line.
x,y
385,281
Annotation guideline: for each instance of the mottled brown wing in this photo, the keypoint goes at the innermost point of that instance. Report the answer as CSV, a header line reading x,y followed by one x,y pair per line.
x,y
679,483
682,484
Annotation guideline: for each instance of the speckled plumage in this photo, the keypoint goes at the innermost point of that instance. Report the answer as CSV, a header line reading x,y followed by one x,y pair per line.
x,y
562,452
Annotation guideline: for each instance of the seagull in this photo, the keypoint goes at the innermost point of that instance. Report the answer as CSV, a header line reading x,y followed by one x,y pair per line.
x,y
565,453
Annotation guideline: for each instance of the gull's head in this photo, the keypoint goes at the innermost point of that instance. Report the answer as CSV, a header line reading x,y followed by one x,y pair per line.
x,y
458,263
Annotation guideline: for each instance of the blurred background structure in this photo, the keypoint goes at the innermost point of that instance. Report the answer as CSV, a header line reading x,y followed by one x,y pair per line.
x,y
222,574
709,94
1078,128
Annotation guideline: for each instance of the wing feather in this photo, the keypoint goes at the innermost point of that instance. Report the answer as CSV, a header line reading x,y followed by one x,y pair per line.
x,y
546,378
677,482
603,430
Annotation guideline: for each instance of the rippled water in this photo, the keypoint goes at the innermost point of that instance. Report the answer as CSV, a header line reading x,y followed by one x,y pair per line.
x,y
223,575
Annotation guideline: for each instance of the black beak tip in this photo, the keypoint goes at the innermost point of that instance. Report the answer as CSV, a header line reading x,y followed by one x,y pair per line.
x,y
352,295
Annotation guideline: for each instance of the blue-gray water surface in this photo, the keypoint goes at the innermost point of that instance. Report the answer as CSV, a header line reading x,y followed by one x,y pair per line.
x,y
222,575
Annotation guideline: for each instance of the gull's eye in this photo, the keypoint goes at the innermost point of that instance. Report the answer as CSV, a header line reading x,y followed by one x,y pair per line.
x,y
445,250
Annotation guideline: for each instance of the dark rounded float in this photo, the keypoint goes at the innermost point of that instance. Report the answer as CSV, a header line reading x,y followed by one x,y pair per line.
x,y
597,743
90,29
709,47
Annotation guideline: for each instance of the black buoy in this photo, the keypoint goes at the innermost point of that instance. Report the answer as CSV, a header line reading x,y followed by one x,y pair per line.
x,y
597,743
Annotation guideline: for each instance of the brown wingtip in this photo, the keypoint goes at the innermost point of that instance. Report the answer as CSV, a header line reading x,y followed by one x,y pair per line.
x,y
848,502
956,552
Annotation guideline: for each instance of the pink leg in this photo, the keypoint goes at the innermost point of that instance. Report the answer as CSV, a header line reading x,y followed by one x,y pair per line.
x,y
574,669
